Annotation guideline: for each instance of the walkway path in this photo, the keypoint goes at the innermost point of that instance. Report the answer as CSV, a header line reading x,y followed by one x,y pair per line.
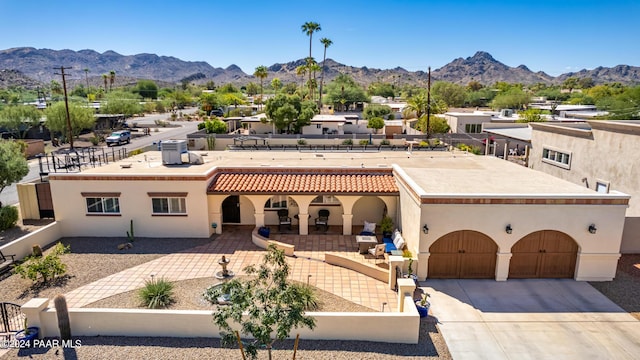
x,y
235,244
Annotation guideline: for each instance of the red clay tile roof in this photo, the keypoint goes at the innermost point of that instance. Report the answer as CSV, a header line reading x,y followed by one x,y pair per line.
x,y
289,182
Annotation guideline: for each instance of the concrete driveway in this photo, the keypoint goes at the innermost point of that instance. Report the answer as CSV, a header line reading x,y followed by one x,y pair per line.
x,y
531,319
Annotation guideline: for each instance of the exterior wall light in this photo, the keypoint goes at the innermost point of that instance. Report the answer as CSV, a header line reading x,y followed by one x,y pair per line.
x,y
508,229
425,229
592,228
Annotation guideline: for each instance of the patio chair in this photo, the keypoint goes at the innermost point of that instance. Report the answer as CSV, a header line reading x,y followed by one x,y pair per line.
x,y
284,219
377,251
322,220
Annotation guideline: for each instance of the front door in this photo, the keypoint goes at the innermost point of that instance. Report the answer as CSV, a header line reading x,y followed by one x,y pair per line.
x,y
231,210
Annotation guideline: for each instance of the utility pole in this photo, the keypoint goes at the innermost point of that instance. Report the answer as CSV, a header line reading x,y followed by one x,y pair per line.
x,y
428,102
66,102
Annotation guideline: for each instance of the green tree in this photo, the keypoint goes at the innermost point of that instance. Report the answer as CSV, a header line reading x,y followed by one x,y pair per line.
x,y
105,78
474,86
147,89
261,73
343,91
228,88
301,71
376,110
416,106
375,123
513,98
252,89
81,118
112,79
214,126
381,89
452,94
437,125
287,111
209,101
267,306
13,165
122,102
531,115
19,118
570,83
326,43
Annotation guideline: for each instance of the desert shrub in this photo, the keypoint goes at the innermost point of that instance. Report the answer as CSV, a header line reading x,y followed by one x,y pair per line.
x,y
45,267
8,217
308,296
347,142
302,142
385,142
363,142
156,293
470,148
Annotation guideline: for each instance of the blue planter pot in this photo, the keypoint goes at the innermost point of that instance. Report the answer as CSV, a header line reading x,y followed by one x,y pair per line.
x,y
27,339
423,310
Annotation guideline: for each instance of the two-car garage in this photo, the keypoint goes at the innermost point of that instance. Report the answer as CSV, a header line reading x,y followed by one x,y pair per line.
x,y
468,254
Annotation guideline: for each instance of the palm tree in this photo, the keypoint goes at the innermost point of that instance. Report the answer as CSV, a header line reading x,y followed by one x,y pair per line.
x,y
313,83
112,79
301,71
326,42
105,77
418,104
276,84
309,28
261,73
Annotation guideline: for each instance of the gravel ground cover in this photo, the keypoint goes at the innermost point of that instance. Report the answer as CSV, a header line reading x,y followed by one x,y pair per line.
x,y
624,290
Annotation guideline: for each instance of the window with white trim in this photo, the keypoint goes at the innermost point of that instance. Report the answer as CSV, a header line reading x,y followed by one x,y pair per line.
x,y
103,205
169,205
473,128
556,157
276,202
325,200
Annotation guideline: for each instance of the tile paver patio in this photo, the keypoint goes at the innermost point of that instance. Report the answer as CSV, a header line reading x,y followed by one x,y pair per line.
x,y
236,245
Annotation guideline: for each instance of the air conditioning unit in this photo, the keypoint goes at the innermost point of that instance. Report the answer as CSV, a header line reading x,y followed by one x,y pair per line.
x,y
172,151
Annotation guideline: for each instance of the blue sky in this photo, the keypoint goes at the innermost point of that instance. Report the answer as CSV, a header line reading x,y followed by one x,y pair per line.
x,y
552,36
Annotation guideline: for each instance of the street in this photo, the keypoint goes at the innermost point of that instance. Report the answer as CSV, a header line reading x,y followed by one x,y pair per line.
x,y
9,195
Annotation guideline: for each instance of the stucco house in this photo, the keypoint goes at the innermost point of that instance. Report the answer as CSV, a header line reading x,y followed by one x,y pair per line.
x,y
598,155
461,215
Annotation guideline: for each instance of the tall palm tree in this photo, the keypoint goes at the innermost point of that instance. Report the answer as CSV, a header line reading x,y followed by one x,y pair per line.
x,y
313,83
326,42
276,84
105,77
261,73
309,28
301,71
112,79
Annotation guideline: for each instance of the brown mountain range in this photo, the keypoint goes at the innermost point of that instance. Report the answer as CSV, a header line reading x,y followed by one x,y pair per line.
x,y
29,67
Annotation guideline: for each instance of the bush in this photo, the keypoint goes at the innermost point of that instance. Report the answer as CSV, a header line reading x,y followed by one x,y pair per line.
x,y
8,217
156,293
472,149
347,142
385,142
47,267
302,142
307,294
363,142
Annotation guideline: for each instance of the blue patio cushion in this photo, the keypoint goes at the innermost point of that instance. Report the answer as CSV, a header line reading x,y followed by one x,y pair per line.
x,y
367,233
388,247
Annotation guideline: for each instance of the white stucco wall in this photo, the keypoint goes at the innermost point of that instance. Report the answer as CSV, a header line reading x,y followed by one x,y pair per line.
x,y
605,154
369,208
135,204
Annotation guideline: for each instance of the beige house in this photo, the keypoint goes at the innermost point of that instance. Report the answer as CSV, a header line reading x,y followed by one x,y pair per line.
x,y
597,155
462,216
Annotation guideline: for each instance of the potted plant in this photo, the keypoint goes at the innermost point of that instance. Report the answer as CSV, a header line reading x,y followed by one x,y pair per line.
x,y
386,225
423,305
26,335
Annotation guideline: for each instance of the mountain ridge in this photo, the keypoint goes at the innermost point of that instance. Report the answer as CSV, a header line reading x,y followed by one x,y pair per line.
x,y
39,64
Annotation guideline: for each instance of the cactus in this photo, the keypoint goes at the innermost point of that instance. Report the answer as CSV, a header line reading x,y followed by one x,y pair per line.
x,y
130,235
211,142
36,250
62,312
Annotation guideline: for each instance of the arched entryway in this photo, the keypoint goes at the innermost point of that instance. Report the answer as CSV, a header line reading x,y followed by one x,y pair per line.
x,y
367,208
464,254
544,254
231,210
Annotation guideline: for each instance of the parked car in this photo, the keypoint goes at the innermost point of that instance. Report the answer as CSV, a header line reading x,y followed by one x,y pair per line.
x,y
119,137
217,112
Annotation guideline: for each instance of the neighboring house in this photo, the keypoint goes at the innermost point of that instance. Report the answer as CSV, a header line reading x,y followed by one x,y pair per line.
x,y
336,124
257,124
468,123
462,216
599,155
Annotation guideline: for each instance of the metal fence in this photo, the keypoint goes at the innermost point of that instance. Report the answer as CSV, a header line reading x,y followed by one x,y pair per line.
x,y
77,159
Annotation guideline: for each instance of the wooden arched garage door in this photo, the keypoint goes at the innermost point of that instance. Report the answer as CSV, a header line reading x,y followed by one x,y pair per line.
x,y
543,254
463,254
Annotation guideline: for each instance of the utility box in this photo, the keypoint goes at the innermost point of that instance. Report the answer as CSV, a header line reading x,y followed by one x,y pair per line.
x,y
172,151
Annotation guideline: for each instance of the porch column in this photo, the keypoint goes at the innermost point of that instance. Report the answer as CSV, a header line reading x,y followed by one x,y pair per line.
x,y
303,223
505,152
502,266
346,224
259,215
487,145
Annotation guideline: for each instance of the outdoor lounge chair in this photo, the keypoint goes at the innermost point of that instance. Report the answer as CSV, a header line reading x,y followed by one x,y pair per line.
x,y
322,220
5,262
283,219
377,251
